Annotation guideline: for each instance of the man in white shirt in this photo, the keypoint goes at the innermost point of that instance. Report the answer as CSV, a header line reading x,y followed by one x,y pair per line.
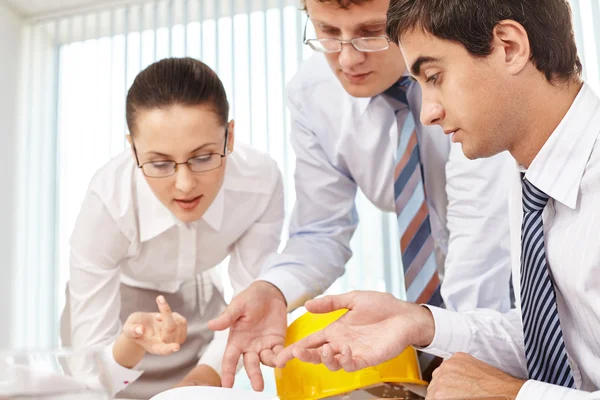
x,y
501,75
345,134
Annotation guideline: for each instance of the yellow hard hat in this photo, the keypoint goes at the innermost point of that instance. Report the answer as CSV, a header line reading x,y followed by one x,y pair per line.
x,y
306,381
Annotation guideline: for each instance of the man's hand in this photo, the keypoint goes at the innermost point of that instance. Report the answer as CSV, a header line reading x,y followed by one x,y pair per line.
x,y
257,322
201,375
464,376
159,333
376,328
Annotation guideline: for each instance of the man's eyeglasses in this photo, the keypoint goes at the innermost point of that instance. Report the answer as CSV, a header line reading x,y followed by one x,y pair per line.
x,y
366,44
200,163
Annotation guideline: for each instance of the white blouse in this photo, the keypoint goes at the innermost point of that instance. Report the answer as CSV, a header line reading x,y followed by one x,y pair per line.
x,y
124,234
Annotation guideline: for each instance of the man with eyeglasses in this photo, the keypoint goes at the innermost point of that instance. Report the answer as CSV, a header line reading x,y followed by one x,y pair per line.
x,y
355,124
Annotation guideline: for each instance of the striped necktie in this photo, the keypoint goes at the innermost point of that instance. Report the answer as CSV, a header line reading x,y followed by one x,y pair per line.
x,y
416,243
414,228
545,351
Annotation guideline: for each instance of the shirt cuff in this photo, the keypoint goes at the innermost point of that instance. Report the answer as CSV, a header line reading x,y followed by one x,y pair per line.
x,y
536,390
213,355
294,293
119,376
452,333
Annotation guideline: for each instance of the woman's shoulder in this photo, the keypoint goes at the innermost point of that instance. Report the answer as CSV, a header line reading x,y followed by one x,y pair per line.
x,y
251,169
114,183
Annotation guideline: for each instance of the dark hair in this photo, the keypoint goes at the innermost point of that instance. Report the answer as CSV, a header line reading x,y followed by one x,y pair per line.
x,y
171,81
345,4
471,23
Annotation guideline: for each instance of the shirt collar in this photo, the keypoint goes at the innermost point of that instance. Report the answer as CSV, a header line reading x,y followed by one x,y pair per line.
x,y
558,168
364,102
155,218
214,214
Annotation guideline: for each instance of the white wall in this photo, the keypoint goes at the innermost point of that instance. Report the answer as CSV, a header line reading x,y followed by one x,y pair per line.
x,y
10,54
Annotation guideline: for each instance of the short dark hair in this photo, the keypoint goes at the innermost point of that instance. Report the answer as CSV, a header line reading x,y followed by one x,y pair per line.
x,y
471,23
171,81
345,4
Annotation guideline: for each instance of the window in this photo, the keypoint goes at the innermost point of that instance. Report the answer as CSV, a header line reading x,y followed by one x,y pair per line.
x,y
80,69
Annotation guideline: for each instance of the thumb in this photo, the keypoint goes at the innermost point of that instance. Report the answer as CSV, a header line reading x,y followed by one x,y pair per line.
x,y
329,303
231,314
133,331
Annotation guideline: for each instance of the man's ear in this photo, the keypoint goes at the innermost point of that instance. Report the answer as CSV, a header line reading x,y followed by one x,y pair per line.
x,y
512,40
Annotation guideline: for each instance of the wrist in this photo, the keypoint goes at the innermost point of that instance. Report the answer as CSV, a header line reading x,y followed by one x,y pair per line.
x,y
127,352
425,328
517,386
273,290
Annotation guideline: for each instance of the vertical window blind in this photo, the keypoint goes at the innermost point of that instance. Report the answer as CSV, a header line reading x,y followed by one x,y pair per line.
x,y
79,67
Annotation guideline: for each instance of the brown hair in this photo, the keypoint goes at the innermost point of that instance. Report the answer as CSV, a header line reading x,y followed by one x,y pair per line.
x,y
170,81
471,23
345,4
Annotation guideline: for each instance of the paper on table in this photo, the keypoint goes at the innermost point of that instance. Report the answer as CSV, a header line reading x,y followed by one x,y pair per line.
x,y
212,393
18,380
386,391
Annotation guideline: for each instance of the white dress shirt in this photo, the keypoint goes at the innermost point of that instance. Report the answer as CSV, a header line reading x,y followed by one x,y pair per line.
x,y
124,234
343,143
567,168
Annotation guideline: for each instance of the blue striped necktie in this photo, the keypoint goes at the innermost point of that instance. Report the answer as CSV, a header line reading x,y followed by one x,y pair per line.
x,y
416,243
545,351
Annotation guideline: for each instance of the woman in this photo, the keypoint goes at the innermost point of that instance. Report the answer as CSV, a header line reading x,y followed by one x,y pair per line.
x,y
156,220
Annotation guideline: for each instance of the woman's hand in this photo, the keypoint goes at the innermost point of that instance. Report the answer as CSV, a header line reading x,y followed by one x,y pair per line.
x,y
160,333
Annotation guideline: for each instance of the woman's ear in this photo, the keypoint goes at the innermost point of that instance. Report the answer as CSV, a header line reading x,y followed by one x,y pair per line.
x,y
128,137
231,136
130,141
